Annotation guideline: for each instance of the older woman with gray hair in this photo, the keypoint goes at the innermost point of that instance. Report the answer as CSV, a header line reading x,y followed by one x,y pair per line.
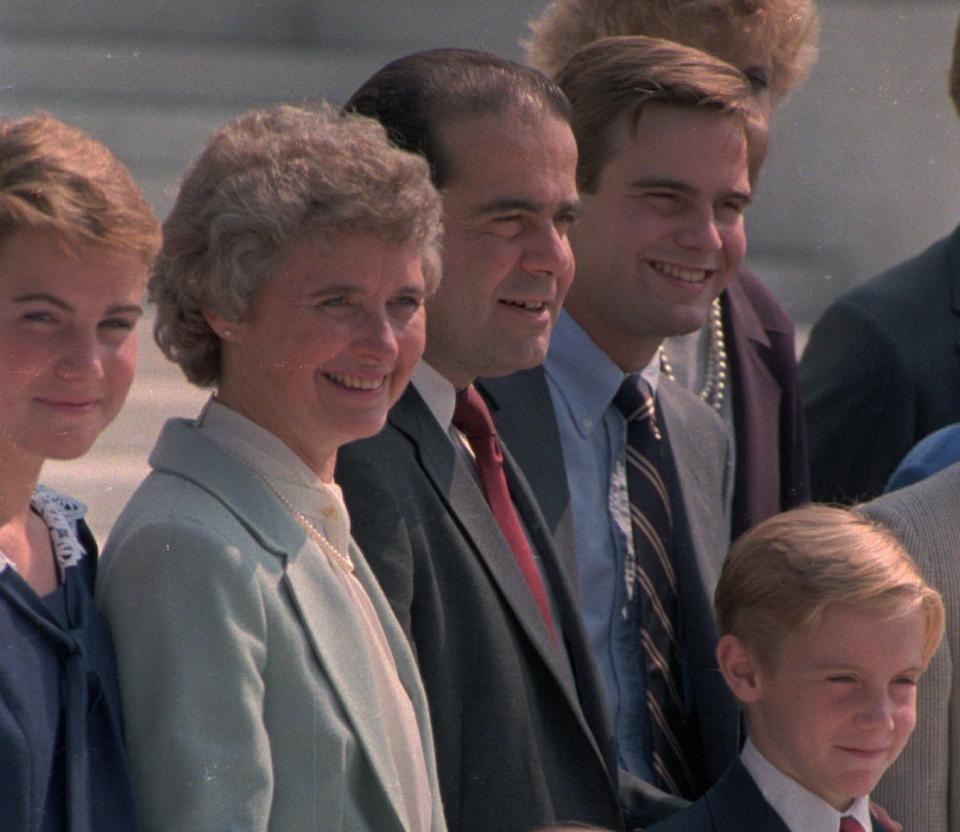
x,y
265,683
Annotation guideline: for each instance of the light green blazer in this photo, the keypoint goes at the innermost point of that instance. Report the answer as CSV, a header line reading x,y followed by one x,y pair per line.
x,y
246,689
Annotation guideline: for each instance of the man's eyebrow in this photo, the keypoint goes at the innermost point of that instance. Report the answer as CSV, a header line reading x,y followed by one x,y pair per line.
x,y
505,204
662,182
682,187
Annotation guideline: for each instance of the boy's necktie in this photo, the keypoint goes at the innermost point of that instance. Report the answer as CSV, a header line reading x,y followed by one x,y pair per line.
x,y
850,824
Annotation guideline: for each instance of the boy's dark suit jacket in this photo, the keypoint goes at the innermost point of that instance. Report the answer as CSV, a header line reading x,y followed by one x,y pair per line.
x,y
734,804
522,736
523,411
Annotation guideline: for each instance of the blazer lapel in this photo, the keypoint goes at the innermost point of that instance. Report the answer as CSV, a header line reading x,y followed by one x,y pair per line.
x,y
457,487
736,803
756,404
703,506
953,267
327,613
322,606
529,430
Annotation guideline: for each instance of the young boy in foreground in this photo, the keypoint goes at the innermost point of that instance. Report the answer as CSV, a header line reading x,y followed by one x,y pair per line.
x,y
826,627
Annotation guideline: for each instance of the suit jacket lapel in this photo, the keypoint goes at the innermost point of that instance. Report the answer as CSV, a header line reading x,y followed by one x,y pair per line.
x,y
756,404
703,507
457,487
324,610
327,616
953,267
529,429
736,803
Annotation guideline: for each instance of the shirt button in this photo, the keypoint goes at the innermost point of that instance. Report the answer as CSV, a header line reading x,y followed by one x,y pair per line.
x,y
587,423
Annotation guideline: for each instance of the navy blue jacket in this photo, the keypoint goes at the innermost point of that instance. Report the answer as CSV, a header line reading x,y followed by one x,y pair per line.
x,y
63,766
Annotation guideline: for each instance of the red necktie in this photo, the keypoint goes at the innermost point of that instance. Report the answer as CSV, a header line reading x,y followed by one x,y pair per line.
x,y
473,419
850,824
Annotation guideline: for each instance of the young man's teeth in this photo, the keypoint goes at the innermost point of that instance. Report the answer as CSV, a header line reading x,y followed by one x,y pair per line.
x,y
356,383
688,275
532,305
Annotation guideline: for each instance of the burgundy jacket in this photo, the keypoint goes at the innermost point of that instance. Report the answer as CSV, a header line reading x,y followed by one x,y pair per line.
x,y
772,473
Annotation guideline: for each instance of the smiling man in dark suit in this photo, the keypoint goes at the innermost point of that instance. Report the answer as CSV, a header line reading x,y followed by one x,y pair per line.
x,y
444,516
670,141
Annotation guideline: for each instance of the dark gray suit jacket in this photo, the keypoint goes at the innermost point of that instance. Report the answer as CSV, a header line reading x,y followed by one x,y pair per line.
x,y
523,411
522,735
881,371
922,788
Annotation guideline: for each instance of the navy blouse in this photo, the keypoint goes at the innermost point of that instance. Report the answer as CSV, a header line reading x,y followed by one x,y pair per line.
x,y
63,763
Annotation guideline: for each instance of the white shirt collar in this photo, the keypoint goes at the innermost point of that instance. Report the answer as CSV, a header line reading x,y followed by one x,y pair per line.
x,y
801,810
585,375
651,373
61,515
321,502
437,392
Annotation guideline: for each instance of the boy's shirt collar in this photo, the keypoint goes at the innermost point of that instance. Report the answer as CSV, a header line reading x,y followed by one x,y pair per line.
x,y
801,810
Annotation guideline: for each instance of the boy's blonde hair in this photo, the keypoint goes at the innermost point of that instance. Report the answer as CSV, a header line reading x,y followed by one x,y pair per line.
x,y
787,28
54,177
782,575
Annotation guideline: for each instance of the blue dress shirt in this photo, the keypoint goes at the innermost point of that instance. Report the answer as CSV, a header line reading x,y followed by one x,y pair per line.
x,y
583,381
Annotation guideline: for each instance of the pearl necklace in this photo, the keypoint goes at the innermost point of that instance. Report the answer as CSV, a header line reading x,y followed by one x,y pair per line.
x,y
715,377
344,561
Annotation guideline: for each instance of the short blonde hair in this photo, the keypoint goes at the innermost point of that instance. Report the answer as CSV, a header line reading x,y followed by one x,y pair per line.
x,y
265,182
788,28
782,575
619,76
54,177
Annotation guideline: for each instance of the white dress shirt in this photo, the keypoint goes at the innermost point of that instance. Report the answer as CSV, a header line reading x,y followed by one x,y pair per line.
x,y
801,810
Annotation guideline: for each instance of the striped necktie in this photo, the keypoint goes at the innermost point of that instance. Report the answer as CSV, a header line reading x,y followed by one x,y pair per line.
x,y
652,523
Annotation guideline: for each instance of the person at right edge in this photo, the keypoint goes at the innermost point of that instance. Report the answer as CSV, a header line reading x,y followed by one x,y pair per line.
x,y
743,362
882,370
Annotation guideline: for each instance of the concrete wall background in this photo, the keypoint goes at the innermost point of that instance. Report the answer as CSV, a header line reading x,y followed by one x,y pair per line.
x,y
865,159
863,171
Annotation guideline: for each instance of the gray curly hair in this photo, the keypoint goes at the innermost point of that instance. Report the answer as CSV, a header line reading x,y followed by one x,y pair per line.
x,y
263,183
